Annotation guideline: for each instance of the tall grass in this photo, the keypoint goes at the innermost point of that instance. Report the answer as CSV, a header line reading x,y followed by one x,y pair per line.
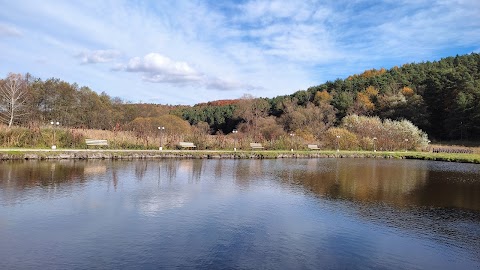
x,y
43,137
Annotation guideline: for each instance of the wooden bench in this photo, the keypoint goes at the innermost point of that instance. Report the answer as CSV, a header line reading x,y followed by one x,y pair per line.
x,y
186,145
91,142
256,146
313,147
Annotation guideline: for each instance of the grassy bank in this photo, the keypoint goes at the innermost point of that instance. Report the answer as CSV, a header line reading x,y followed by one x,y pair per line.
x,y
28,154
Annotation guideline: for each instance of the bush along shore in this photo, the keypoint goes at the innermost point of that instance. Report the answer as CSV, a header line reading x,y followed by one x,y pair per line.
x,y
200,154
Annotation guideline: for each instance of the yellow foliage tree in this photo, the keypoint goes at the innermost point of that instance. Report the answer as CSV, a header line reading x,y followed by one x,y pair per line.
x,y
371,91
322,97
373,72
407,91
364,101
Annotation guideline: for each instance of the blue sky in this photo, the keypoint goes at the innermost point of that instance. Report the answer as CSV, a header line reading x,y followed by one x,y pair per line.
x,y
186,51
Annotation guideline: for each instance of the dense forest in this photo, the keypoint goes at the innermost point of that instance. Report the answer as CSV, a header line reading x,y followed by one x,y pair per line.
x,y
442,98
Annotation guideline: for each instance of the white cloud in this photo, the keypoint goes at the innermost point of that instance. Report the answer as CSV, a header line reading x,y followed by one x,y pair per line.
x,y
9,31
161,69
158,64
157,68
99,56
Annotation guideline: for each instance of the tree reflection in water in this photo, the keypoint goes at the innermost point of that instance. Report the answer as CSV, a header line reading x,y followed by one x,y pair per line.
x,y
400,183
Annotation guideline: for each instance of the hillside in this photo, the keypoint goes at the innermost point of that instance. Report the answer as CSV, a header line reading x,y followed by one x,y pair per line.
x,y
441,97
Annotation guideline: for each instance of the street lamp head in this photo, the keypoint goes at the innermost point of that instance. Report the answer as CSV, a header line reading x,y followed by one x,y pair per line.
x,y
292,134
234,131
338,136
161,128
58,123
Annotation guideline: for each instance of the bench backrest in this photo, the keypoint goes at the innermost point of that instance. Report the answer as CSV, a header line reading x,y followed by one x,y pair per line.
x,y
312,146
256,145
96,142
186,144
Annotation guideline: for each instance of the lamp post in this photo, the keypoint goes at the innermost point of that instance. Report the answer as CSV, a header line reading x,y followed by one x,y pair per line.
x,y
54,123
234,139
161,129
338,143
291,141
406,144
374,144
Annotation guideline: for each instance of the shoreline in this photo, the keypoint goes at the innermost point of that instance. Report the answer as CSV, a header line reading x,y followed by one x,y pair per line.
x,y
87,154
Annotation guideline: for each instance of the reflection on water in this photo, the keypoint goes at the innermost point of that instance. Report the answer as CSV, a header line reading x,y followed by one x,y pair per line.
x,y
399,183
365,180
335,213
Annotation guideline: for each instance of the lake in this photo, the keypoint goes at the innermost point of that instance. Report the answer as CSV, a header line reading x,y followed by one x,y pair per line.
x,y
239,214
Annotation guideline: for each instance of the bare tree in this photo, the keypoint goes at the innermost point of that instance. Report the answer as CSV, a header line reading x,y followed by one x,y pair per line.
x,y
251,109
13,94
311,119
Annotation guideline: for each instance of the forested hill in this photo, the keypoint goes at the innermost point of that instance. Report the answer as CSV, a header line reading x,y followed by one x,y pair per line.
x,y
441,97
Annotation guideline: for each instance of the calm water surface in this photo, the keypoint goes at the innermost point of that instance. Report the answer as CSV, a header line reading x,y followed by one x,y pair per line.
x,y
240,214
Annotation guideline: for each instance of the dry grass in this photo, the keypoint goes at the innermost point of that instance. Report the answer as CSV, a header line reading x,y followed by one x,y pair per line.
x,y
42,137
115,138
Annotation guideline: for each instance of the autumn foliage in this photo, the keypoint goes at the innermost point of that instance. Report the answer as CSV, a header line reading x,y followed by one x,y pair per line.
x,y
440,98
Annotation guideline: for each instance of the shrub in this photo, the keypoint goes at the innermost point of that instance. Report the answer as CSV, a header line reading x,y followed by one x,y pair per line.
x,y
390,135
346,140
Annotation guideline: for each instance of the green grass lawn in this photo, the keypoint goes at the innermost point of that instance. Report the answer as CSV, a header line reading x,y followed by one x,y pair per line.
x,y
268,154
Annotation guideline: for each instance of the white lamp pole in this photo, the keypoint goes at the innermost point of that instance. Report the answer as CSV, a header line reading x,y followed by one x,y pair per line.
x,y
54,123
161,129
234,139
338,143
291,141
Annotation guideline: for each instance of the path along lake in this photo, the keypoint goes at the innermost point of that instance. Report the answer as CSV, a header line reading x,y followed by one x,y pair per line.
x,y
239,214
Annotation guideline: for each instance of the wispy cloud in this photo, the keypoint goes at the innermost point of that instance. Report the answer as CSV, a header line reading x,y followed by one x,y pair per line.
x,y
290,30
9,31
407,30
98,56
268,12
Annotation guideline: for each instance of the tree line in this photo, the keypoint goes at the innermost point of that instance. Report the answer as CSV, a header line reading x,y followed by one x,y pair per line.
x,y
441,98
42,101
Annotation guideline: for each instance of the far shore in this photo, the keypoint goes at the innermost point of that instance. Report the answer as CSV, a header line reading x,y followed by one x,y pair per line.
x,y
118,154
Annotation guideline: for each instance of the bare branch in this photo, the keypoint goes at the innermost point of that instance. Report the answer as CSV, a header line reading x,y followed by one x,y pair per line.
x,y
12,98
